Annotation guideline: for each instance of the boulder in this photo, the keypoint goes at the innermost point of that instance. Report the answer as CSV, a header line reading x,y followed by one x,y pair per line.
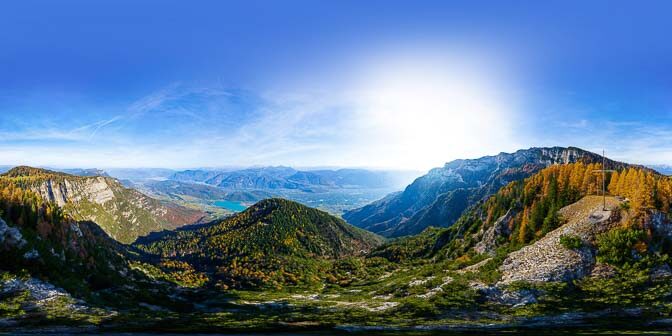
x,y
10,237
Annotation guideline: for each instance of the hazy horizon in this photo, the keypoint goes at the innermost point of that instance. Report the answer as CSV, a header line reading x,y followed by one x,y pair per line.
x,y
666,168
224,168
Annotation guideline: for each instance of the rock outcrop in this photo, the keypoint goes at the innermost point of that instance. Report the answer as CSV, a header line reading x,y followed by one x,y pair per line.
x,y
10,237
488,242
548,260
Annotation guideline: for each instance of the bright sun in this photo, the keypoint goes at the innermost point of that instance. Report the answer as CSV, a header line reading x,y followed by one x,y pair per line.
x,y
426,113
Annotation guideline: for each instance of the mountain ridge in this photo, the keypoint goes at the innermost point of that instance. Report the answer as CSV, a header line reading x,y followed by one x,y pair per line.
x,y
123,213
281,177
444,193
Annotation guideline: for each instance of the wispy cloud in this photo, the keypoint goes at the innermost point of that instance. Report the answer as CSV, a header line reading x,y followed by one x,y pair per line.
x,y
626,140
187,126
577,124
43,131
93,128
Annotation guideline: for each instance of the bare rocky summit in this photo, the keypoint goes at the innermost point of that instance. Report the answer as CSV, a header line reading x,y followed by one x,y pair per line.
x,y
548,260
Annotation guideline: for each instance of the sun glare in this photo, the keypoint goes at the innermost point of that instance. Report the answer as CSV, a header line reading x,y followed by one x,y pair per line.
x,y
429,111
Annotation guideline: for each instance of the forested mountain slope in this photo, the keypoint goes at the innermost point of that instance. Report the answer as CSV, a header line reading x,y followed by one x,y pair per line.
x,y
275,241
440,197
547,244
539,248
526,210
58,270
123,213
38,238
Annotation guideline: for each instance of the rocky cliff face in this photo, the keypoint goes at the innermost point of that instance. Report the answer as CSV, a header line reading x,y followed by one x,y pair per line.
x,y
124,214
441,196
95,190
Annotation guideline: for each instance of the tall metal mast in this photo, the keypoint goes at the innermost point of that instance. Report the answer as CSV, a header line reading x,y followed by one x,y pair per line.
x,y
604,182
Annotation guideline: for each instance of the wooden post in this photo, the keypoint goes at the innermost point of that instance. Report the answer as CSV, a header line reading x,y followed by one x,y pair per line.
x,y
604,172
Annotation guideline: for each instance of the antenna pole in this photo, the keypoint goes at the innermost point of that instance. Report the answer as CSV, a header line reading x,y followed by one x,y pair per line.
x,y
604,172
604,182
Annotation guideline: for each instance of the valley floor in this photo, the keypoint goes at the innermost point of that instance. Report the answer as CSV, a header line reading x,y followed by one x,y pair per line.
x,y
30,305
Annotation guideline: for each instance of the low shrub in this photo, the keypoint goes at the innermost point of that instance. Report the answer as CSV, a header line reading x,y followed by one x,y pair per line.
x,y
620,246
571,242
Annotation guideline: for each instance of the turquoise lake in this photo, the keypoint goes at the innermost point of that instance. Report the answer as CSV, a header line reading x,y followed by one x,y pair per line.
x,y
231,205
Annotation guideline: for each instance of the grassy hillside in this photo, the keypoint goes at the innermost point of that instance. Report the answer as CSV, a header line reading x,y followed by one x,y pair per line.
x,y
274,242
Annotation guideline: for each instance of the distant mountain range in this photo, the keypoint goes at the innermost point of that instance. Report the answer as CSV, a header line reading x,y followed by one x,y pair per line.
x,y
84,172
663,169
140,174
255,178
440,197
289,178
330,190
181,190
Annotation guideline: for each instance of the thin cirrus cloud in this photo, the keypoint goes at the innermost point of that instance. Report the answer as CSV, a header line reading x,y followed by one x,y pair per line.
x,y
375,126
179,126
625,139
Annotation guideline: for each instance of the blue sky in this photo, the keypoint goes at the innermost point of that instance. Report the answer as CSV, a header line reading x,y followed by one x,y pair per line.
x,y
342,83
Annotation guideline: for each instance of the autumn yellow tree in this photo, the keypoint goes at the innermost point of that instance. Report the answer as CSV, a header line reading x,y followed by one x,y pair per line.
x,y
613,183
524,224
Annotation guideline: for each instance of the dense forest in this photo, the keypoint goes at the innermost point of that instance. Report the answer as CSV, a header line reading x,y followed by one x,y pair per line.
x,y
274,242
26,208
